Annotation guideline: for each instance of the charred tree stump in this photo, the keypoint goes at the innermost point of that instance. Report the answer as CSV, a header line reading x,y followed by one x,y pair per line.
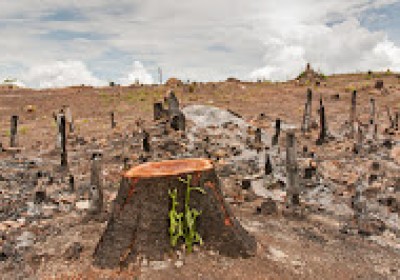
x,y
139,224
158,111
391,119
14,131
63,141
322,131
293,190
178,122
173,104
379,84
146,142
267,165
113,123
258,139
275,138
372,122
307,112
96,187
71,182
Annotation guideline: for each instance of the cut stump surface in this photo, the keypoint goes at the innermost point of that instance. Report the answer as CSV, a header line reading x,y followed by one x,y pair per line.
x,y
139,222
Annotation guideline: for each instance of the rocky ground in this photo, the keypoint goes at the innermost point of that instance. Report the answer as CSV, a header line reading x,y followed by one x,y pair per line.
x,y
346,227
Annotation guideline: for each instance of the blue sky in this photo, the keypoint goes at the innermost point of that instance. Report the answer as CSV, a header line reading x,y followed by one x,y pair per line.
x,y
57,43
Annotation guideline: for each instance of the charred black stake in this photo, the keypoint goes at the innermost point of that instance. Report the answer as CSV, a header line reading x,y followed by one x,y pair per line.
x,y
14,131
113,123
307,112
293,190
146,142
322,131
158,111
275,138
63,138
268,165
96,188
257,138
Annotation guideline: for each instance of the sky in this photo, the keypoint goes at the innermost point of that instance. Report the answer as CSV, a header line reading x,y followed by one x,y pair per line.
x,y
54,43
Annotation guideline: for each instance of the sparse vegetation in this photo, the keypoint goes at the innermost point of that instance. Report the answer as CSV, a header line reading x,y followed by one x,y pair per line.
x,y
184,224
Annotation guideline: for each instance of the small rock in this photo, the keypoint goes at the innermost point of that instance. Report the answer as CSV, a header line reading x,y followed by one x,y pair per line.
x,y
370,226
268,207
178,263
25,240
82,205
73,252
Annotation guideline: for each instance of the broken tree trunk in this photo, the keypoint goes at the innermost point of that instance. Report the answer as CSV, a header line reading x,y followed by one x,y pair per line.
x,y
372,122
158,111
275,138
13,131
307,112
96,187
322,131
63,141
113,123
139,224
293,190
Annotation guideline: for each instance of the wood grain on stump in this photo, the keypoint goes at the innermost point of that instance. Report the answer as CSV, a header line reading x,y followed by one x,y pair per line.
x,y
139,223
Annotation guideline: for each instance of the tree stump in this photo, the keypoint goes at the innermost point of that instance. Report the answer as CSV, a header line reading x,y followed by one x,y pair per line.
x,y
139,223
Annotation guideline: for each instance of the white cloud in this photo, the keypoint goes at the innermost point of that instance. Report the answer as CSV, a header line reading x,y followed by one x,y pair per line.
x,y
343,47
60,74
189,40
137,73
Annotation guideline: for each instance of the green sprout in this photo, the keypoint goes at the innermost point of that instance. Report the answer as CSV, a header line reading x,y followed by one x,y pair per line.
x,y
175,218
184,224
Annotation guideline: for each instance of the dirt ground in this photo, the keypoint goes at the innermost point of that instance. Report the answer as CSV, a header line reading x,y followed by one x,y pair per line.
x,y
312,247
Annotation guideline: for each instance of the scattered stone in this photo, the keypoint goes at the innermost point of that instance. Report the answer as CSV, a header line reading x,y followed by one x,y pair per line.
x,y
370,226
74,251
268,207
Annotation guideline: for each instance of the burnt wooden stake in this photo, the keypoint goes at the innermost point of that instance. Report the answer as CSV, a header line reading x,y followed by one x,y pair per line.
x,y
322,130
359,138
396,119
158,110
178,122
173,104
293,190
71,181
391,120
14,131
113,123
96,188
258,137
307,112
146,142
275,138
372,122
372,111
353,112
63,137
268,165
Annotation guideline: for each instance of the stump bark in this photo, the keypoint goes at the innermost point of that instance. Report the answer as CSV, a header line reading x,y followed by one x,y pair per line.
x,y
139,222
